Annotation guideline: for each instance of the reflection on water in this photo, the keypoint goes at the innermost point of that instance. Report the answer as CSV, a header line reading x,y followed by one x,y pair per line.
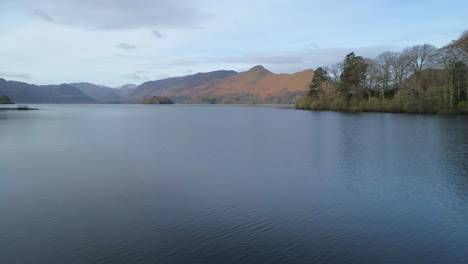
x,y
204,184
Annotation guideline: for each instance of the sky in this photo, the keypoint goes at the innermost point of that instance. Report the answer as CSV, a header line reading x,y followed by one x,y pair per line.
x,y
114,42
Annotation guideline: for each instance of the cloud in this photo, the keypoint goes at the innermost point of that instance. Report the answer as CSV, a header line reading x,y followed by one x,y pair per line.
x,y
294,61
268,58
132,76
288,61
43,16
15,75
312,46
126,46
117,14
157,34
162,76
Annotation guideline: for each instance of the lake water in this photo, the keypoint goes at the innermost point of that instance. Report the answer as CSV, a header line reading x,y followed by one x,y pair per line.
x,y
229,184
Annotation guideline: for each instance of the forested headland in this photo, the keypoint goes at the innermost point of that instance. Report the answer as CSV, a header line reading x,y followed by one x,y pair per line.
x,y
5,100
419,79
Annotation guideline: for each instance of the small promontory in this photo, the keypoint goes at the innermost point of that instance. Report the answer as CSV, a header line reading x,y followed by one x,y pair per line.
x,y
157,100
5,100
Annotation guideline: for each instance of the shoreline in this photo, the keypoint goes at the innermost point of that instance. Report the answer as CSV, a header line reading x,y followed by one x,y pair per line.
x,y
19,108
384,112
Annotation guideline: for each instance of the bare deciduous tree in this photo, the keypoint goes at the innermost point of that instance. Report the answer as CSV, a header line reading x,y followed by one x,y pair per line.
x,y
399,69
420,57
382,67
335,71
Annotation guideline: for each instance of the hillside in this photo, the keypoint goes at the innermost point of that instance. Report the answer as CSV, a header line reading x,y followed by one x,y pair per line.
x,y
21,92
92,90
257,85
174,86
104,94
5,100
125,89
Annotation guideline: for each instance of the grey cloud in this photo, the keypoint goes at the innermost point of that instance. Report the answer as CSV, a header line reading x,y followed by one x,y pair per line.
x,y
142,72
163,76
132,76
15,75
157,34
308,58
278,62
274,58
328,56
312,46
126,46
165,63
254,59
117,14
43,16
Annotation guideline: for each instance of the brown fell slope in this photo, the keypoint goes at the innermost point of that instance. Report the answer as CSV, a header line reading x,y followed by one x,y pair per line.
x,y
257,81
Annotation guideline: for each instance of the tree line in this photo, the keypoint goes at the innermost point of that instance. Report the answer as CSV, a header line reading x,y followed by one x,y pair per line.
x,y
419,79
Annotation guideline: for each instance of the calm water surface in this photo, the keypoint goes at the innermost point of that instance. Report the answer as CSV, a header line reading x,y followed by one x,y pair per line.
x,y
226,184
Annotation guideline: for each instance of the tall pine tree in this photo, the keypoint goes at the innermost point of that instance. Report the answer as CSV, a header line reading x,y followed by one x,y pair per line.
x,y
320,77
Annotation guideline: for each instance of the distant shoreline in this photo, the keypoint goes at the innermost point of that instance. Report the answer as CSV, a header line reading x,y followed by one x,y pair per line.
x,y
19,108
383,112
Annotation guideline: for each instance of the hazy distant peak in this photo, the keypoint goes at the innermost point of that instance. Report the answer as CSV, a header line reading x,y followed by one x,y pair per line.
x,y
127,86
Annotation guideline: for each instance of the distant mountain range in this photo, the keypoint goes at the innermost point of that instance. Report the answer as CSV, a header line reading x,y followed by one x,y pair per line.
x,y
21,92
104,94
257,85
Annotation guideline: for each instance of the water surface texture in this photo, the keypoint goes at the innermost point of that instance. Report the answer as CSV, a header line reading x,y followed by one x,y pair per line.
x,y
228,184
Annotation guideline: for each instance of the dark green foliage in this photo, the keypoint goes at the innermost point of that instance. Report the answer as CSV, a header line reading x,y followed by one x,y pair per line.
x,y
320,77
157,100
240,98
284,98
5,100
353,76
